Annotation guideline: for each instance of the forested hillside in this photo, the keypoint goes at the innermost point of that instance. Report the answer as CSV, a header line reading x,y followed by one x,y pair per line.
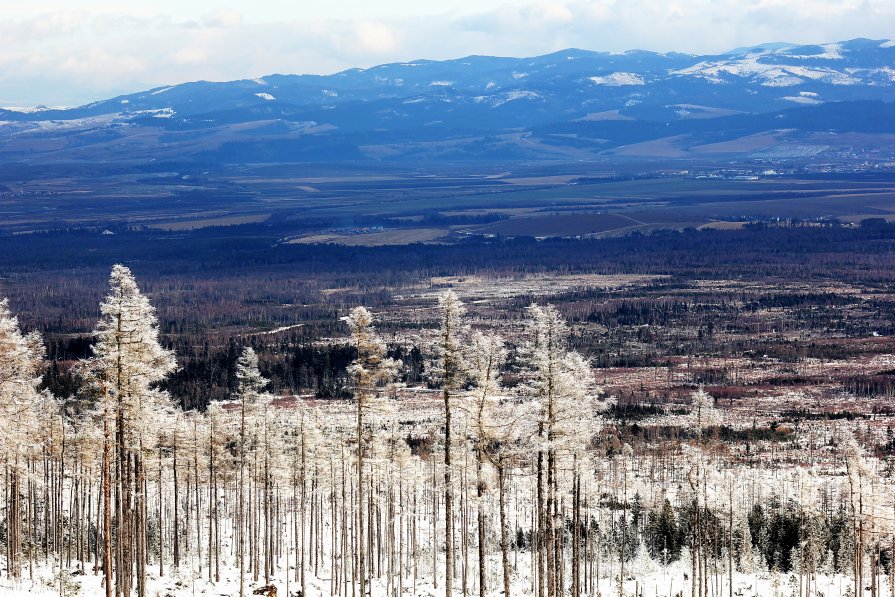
x,y
494,460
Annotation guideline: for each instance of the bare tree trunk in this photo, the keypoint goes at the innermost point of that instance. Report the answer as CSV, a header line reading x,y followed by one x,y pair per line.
x,y
448,499
730,547
303,511
362,573
107,500
480,494
576,537
125,512
240,515
13,519
161,521
549,530
504,547
541,522
140,526
176,504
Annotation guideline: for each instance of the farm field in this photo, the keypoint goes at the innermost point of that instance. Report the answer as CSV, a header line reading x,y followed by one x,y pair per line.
x,y
333,205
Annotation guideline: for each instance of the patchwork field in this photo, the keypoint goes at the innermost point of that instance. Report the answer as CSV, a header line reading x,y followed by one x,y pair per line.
x,y
392,206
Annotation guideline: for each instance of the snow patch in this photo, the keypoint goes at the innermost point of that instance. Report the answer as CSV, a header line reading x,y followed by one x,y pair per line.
x,y
779,78
285,328
518,76
155,113
162,90
888,44
265,96
259,81
510,96
441,83
516,95
830,52
885,71
32,109
808,94
801,99
619,79
825,75
771,75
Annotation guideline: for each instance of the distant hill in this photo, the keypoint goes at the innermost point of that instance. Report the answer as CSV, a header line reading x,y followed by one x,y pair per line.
x,y
569,105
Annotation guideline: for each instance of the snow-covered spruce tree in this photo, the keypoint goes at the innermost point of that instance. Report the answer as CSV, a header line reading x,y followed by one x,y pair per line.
x,y
487,355
127,361
21,361
703,416
249,391
449,370
562,383
867,513
370,369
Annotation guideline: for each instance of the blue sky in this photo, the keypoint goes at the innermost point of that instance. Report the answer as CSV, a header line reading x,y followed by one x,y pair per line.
x,y
59,52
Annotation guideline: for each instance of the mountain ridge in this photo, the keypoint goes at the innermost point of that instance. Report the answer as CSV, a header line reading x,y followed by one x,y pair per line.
x,y
385,112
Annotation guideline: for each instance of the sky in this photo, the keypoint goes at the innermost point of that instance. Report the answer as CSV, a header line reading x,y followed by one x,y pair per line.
x,y
65,53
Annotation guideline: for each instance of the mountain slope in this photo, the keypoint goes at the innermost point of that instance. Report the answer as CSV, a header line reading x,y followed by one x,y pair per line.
x,y
572,104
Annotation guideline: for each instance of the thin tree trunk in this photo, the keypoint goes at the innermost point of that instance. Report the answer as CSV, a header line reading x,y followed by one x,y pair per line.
x,y
448,499
504,547
480,494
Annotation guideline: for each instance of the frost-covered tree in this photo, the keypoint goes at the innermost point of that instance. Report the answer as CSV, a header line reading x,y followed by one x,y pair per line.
x,y
562,383
703,414
21,362
487,355
449,370
871,517
249,386
128,360
370,369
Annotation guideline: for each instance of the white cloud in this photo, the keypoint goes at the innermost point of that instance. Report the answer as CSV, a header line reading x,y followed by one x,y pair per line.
x,y
377,38
554,13
57,55
222,17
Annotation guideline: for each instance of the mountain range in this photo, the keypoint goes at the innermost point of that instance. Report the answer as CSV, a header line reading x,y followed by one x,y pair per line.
x,y
569,105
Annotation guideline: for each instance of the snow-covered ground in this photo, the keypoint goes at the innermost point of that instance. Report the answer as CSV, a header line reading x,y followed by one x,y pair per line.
x,y
652,581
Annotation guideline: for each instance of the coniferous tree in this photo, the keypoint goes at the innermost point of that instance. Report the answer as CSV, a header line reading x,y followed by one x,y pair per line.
x,y
21,405
487,355
249,386
562,383
449,370
128,360
370,369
